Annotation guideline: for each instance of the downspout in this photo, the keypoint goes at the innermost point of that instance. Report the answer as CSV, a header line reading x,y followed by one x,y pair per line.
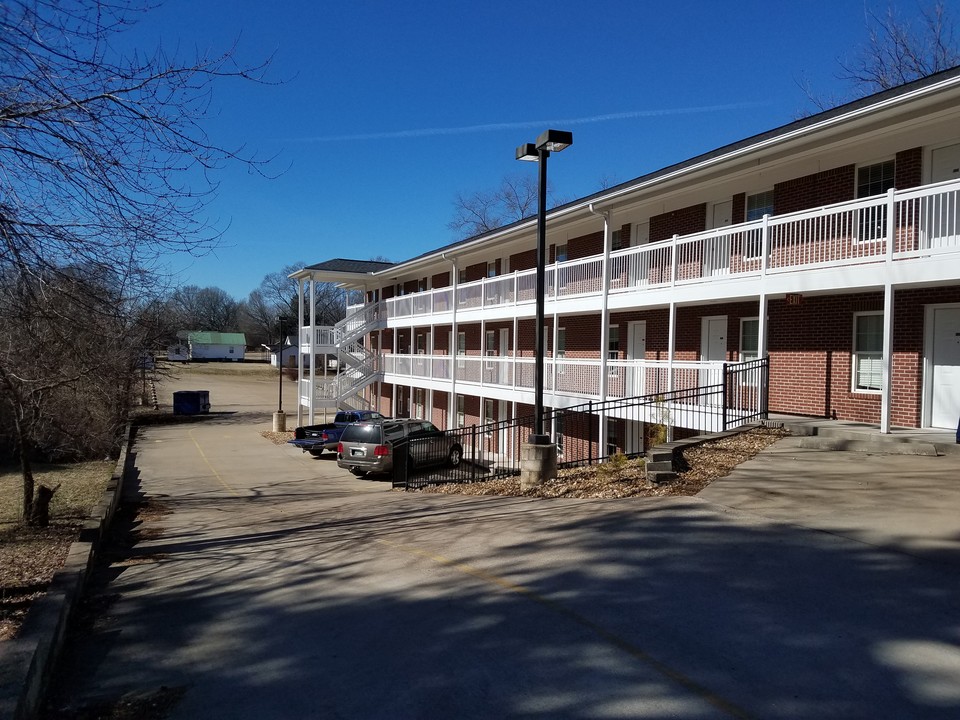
x,y
604,322
452,400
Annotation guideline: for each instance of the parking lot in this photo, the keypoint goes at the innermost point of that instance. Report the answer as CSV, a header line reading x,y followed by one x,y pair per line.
x,y
271,584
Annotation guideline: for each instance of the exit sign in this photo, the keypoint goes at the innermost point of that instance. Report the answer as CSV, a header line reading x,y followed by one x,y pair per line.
x,y
794,299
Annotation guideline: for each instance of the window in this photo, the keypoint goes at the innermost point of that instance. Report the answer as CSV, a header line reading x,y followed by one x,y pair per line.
x,y
561,253
561,342
613,343
874,180
461,276
759,205
460,413
492,269
418,403
461,349
488,416
867,351
491,343
749,339
558,431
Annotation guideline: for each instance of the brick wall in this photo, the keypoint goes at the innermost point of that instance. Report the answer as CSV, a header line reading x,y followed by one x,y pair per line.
x,y
908,171
822,188
678,222
440,280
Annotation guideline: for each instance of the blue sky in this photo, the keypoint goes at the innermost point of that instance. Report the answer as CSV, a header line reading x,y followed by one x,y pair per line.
x,y
386,110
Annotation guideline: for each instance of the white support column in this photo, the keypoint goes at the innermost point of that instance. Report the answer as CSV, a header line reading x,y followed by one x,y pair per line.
x,y
313,348
300,357
671,351
452,402
887,368
604,322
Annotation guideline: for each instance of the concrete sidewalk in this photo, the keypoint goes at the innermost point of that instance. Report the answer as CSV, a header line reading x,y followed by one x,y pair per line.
x,y
278,586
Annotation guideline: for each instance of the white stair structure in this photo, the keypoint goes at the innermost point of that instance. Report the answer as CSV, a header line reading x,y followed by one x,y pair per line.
x,y
356,367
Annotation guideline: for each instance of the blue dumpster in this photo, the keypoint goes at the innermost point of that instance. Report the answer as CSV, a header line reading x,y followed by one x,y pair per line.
x,y
191,402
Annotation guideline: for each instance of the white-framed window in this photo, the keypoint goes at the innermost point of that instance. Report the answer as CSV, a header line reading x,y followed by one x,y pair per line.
x,y
492,269
613,343
561,342
461,276
490,350
561,253
461,415
489,416
873,180
868,351
461,349
418,403
759,204
749,339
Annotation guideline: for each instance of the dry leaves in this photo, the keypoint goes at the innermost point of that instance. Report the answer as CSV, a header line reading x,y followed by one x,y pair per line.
x,y
624,478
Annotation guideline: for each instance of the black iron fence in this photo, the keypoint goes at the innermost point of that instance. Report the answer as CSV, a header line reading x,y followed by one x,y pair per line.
x,y
587,433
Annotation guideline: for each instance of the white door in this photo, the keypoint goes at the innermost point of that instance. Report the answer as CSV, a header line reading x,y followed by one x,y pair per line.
x,y
716,250
503,441
944,386
636,350
941,211
713,346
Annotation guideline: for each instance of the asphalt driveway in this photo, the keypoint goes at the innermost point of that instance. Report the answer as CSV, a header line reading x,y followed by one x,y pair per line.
x,y
278,586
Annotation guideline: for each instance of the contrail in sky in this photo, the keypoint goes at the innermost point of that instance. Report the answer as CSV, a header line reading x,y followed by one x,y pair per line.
x,y
431,132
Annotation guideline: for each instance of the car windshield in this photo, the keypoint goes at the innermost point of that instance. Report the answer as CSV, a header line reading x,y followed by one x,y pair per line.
x,y
363,433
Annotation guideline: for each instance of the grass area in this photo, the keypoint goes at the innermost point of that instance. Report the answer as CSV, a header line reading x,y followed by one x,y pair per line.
x,y
253,369
29,557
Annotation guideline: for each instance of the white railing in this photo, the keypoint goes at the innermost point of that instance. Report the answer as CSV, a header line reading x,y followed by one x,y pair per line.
x,y
925,220
573,377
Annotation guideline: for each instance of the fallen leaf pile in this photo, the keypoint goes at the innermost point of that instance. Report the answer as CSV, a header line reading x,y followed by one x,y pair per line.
x,y
28,559
623,478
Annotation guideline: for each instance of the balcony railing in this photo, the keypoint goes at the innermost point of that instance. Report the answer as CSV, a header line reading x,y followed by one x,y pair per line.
x,y
562,376
897,226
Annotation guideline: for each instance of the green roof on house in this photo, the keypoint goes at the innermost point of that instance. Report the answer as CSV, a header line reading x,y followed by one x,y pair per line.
x,y
217,338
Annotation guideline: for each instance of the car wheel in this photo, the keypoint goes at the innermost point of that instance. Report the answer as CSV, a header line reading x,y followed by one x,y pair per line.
x,y
315,452
358,472
455,456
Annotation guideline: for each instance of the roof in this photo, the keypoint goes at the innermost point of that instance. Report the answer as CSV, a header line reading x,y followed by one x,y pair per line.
x,y
216,338
804,125
350,266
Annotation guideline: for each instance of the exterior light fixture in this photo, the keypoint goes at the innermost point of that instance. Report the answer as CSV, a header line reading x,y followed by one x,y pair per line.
x,y
549,141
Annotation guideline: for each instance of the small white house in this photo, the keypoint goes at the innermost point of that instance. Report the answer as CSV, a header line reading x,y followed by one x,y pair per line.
x,y
288,355
208,346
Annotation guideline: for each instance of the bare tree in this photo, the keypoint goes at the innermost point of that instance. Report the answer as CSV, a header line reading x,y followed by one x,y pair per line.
x,y
514,199
209,308
67,351
898,50
106,167
95,145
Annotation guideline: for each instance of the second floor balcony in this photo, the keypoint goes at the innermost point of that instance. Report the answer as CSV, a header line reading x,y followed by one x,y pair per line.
x,y
900,226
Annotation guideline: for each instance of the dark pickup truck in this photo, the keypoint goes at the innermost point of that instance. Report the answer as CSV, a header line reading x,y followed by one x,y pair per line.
x,y
314,439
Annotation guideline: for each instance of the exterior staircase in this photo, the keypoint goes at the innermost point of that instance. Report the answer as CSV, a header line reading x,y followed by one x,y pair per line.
x,y
357,366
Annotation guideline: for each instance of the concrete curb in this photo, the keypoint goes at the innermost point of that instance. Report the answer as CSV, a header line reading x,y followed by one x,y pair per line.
x,y
662,460
27,661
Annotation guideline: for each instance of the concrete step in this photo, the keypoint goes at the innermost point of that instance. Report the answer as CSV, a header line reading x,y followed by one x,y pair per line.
x,y
659,466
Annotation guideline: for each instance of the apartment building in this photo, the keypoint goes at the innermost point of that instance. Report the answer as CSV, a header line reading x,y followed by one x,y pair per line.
x,y
830,246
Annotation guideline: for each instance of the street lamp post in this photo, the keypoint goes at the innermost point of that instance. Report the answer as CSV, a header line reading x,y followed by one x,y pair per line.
x,y
279,419
549,141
